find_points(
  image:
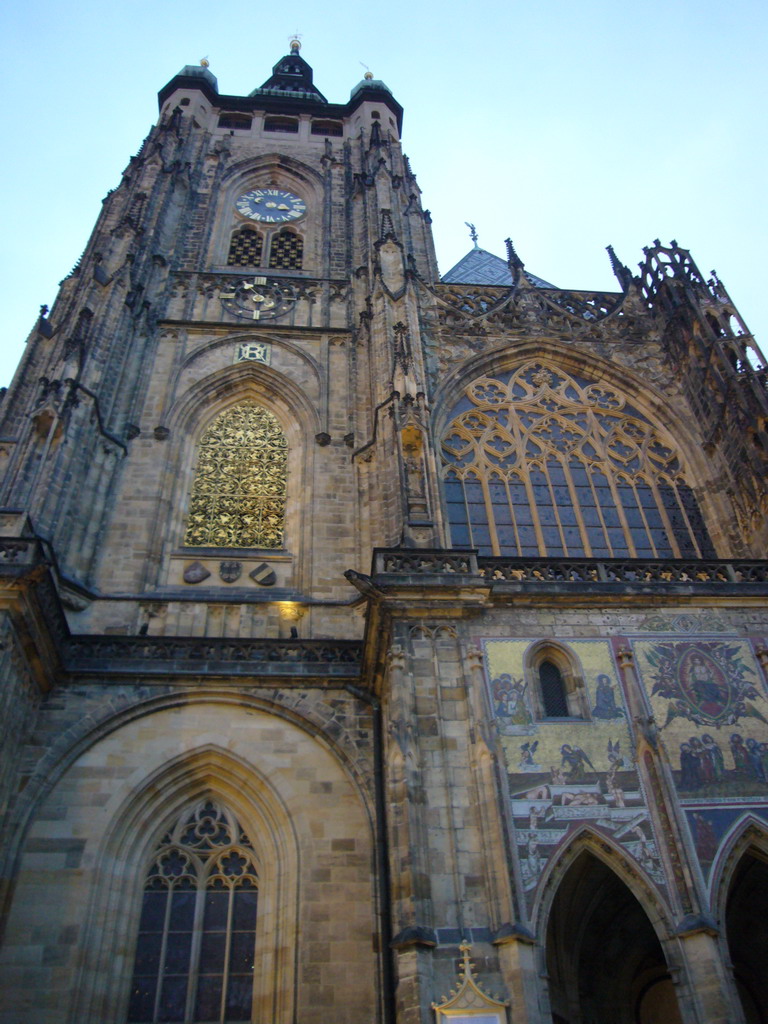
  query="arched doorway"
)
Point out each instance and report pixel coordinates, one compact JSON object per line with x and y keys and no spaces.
{"x":604,"y":959}
{"x":747,"y":933}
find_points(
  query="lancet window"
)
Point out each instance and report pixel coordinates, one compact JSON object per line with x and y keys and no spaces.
{"x":245,"y":248}
{"x":554,"y":697}
{"x":540,"y":463}
{"x":286,"y":251}
{"x":239,"y":491}
{"x":196,"y":946}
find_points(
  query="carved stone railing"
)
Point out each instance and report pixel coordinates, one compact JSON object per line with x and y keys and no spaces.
{"x":587,"y":570}
{"x":428,"y":561}
{"x":398,"y":564}
{"x":299,"y":659}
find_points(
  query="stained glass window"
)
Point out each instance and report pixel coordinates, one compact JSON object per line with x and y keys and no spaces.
{"x":245,"y":248}
{"x":539,"y":463}
{"x":286,"y":251}
{"x":195,"y":951}
{"x":238,"y":497}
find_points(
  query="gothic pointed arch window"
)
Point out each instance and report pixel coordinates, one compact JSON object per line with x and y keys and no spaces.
{"x":245,"y":248}
{"x":286,"y":251}
{"x":239,"y":491}
{"x":196,"y":945}
{"x":537,"y":462}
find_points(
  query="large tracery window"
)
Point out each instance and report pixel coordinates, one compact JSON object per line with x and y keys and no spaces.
{"x":539,"y":463}
{"x":238,"y":497}
{"x":195,"y":951}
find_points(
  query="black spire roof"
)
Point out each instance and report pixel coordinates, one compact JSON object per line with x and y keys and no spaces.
{"x":291,"y":76}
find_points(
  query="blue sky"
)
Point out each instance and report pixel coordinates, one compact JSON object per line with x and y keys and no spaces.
{"x":565,"y":124}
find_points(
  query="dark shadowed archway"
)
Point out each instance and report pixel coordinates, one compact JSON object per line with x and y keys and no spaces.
{"x":746,"y":924}
{"x":604,"y":959}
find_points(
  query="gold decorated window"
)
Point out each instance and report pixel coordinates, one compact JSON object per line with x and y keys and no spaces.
{"x":286,"y":251}
{"x":539,"y":463}
{"x":238,"y":497}
{"x":245,"y":248}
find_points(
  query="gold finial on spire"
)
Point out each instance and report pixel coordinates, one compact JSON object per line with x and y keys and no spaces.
{"x":368,"y":76}
{"x":204,"y":62}
{"x":295,"y":42}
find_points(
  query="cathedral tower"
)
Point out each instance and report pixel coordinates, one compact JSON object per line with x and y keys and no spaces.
{"x":356,"y":621}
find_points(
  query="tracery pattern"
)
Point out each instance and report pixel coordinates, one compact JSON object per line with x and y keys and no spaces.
{"x":238,"y":497}
{"x":195,"y":951}
{"x":537,"y":462}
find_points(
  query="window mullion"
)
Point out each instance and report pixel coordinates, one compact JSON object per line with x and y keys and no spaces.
{"x":684,"y":512}
{"x":194,"y":954}
{"x":526,"y":476}
{"x":512,"y":516}
{"x":646,"y":524}
{"x":621,"y":512}
{"x":653,"y":483}
{"x":495,"y":547}
{"x":598,"y":505}
{"x":227,"y":950}
{"x":555,"y":507}
{"x":163,"y":951}
{"x":576,"y":506}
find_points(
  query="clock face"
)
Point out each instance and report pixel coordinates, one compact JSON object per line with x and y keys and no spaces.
{"x":271,"y":205}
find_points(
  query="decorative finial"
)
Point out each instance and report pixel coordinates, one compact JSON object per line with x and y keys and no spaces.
{"x":368,"y":76}
{"x":204,"y":62}
{"x":472,"y":233}
{"x":295,"y":43}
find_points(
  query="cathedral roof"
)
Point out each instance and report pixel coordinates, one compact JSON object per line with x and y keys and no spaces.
{"x":291,"y":76}
{"x":369,"y":82}
{"x":481,"y":267}
{"x":289,"y":89}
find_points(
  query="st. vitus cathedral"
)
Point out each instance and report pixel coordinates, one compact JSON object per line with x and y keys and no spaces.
{"x":375,"y":645}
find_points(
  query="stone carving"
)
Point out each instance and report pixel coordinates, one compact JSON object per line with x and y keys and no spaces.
{"x":264,"y":575}
{"x":230,"y":571}
{"x":196,"y":573}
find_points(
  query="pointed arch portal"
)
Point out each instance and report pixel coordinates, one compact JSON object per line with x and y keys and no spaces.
{"x":604,"y":960}
{"x":746,"y":925}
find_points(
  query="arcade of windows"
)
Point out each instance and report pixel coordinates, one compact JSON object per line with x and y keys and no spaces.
{"x":196,"y":945}
{"x":239,"y":490}
{"x":540,"y":463}
{"x":246,"y":247}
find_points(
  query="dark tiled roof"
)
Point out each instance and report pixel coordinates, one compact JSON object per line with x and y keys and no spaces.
{"x":482,"y":267}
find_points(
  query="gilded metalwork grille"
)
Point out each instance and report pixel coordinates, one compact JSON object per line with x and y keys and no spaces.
{"x":539,"y":463}
{"x":195,"y":951}
{"x":245,"y":248}
{"x":238,"y":497}
{"x":286,"y":251}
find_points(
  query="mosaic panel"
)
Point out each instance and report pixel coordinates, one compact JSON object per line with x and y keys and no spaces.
{"x":708,"y":699}
{"x":566,"y":773}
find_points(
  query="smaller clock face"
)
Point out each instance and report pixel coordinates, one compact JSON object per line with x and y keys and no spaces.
{"x":271,"y":205}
